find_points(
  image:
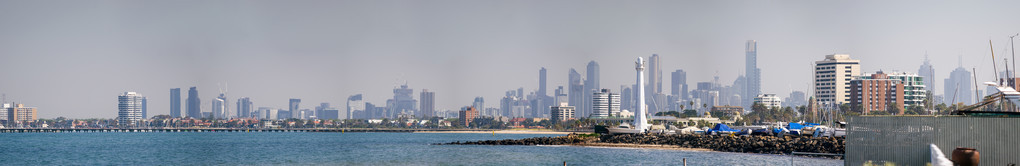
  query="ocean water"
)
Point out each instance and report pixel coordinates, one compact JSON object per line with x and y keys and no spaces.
{"x":340,"y":149}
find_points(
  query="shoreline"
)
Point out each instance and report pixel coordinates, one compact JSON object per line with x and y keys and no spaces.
{"x":640,"y":146}
{"x":506,"y":132}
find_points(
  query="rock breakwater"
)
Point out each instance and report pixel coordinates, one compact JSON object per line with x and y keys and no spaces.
{"x":724,"y":143}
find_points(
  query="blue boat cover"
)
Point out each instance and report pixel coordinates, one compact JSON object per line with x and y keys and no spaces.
{"x":723,"y":127}
{"x":794,"y":126}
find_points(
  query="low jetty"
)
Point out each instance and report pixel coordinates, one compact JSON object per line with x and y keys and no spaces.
{"x":723,"y":143}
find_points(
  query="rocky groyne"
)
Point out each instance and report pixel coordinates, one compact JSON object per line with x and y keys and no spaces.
{"x":723,"y":143}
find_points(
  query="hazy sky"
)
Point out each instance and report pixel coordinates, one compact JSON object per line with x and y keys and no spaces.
{"x":72,"y":58}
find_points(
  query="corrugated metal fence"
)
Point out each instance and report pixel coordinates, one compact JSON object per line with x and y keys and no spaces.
{"x":903,"y":140}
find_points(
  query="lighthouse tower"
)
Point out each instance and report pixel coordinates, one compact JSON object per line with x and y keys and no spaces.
{"x":640,"y":121}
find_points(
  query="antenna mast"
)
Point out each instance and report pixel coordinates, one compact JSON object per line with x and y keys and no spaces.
{"x":994,"y":69}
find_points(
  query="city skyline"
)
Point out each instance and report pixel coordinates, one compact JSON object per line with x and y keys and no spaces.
{"x":328,"y":51}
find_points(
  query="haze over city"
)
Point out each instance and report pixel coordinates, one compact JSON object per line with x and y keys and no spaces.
{"x":73,"y":58}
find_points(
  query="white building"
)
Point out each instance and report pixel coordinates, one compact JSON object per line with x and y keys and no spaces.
{"x":768,"y":100}
{"x":561,"y":112}
{"x":605,"y":104}
{"x":832,"y":78}
{"x":129,"y":106}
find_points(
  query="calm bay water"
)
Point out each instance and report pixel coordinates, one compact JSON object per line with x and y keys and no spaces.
{"x":339,"y":149}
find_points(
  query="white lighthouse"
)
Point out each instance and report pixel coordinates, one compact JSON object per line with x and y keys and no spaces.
{"x":640,"y":121}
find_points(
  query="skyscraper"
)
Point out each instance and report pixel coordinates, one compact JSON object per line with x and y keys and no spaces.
{"x":752,"y":87}
{"x":927,"y":71}
{"x":294,"y":109}
{"x":145,"y":108}
{"x":219,"y":107}
{"x":194,"y":104}
{"x":175,"y":102}
{"x":678,"y":86}
{"x":591,"y":85}
{"x":832,"y":78}
{"x":403,"y":102}
{"x":958,"y":87}
{"x":654,"y":74}
{"x":354,"y":104}
{"x":575,"y":93}
{"x":541,"y":83}
{"x":428,"y":104}
{"x":244,"y":108}
{"x":129,"y":109}
{"x":654,"y":88}
{"x":543,"y":101}
{"x":479,"y":104}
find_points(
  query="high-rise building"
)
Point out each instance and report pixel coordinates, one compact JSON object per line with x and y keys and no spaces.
{"x":244,"y":108}
{"x":914,"y":92}
{"x":402,"y":103}
{"x":958,"y":87}
{"x":145,"y":108}
{"x":467,"y":115}
{"x":428,"y":104}
{"x":654,"y":88}
{"x":354,"y":104}
{"x":129,"y":109}
{"x":542,"y":101}
{"x":876,"y":93}
{"x":562,"y":112}
{"x":605,"y":104}
{"x":294,"y":108}
{"x":678,"y":86}
{"x":752,"y":86}
{"x":626,"y":98}
{"x":561,"y":96}
{"x":795,"y":99}
{"x":194,"y":104}
{"x":17,"y":113}
{"x":654,"y":74}
{"x":541,"y":83}
{"x":479,"y":105}
{"x":927,"y":71}
{"x":591,"y":85}
{"x":219,"y":107}
{"x":575,"y":92}
{"x":175,"y":102}
{"x":768,"y":100}
{"x":832,"y":78}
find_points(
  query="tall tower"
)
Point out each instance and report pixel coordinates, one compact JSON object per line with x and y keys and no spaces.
{"x":294,"y":109}
{"x":129,"y":109}
{"x":145,"y":108}
{"x":479,"y":104}
{"x":752,"y":87}
{"x":958,"y":86}
{"x":194,"y":104}
{"x":591,"y":86}
{"x":654,"y":84}
{"x":575,"y":94}
{"x":428,"y":104}
{"x":541,"y":83}
{"x":219,"y":107}
{"x":640,"y":122}
{"x":926,"y":71}
{"x":354,"y":104}
{"x":175,"y":102}
{"x":244,"y":108}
